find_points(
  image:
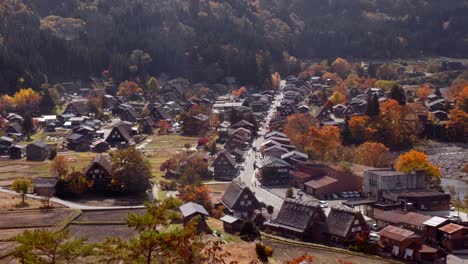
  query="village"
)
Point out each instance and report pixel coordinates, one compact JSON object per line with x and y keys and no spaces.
{"x":237,"y":143}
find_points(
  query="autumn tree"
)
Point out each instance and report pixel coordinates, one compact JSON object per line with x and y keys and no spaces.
{"x":323,"y":142}
{"x":196,"y":194}
{"x":275,"y":80}
{"x":361,"y":128}
{"x":76,"y":183}
{"x":47,"y":104}
{"x":28,"y":126}
{"x":130,"y":170}
{"x":397,"y":93}
{"x":341,"y":67}
{"x":164,"y":127}
{"x":21,"y":186}
{"x":50,"y":247}
{"x":337,"y":98}
{"x":194,"y":168}
{"x":298,"y":127}
{"x":128,"y":89}
{"x":457,"y":125}
{"x":415,"y":160}
{"x":59,"y":166}
{"x":423,"y":92}
{"x":462,"y":99}
{"x":385,"y":72}
{"x":95,"y":105}
{"x":305,"y":259}
{"x":26,"y":100}
{"x":152,"y":86}
{"x":155,"y":241}
{"x":397,"y":125}
{"x":371,"y":154}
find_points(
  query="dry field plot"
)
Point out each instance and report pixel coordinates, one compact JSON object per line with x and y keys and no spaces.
{"x":107,"y":216}
{"x":33,"y":218}
{"x":283,"y":252}
{"x":99,"y":233}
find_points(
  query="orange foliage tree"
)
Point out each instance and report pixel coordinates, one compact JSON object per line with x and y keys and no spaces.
{"x":424,"y":91}
{"x":415,"y":160}
{"x":371,"y":154}
{"x":196,"y":194}
{"x":298,"y":127}
{"x":128,"y":89}
{"x":457,"y":125}
{"x":462,"y":99}
{"x":341,"y":67}
{"x":397,"y":124}
{"x":323,"y":142}
{"x":332,"y":76}
{"x":163,"y":126}
{"x":361,"y":128}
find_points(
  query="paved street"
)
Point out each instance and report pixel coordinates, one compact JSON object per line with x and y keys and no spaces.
{"x":247,"y":175}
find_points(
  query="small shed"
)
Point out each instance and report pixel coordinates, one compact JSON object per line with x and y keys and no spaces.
{"x":191,"y":210}
{"x":16,"y":152}
{"x":45,"y":186}
{"x":231,"y":224}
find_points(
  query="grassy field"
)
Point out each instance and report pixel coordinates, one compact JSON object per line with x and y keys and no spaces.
{"x":217,"y":225}
{"x":159,"y":148}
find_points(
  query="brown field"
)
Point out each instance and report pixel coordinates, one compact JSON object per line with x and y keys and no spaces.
{"x":283,"y":252}
{"x":163,"y":147}
{"x":107,"y":216}
{"x":10,"y":202}
{"x":33,"y":218}
{"x":99,"y":233}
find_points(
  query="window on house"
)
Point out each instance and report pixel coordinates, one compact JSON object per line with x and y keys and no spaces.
{"x":246,"y":196}
{"x":249,"y":202}
{"x":356,"y":222}
{"x":242,"y":203}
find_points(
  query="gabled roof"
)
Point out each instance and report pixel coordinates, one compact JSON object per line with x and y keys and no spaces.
{"x":190,"y":208}
{"x":294,"y":154}
{"x":451,"y":228}
{"x":229,"y":219}
{"x":396,"y":233}
{"x":435,"y":221}
{"x":17,"y":127}
{"x":340,"y":220}
{"x":81,"y":107}
{"x":297,"y":215}
{"x":45,"y":182}
{"x":8,"y":139}
{"x":232,"y":194}
{"x":271,"y":162}
{"x":103,"y":160}
{"x":39,"y":144}
{"x":242,"y":123}
{"x":228,"y":156}
{"x":278,"y":147}
{"x":321,"y":182}
{"x":159,"y":109}
{"x":74,"y":137}
{"x":275,"y":134}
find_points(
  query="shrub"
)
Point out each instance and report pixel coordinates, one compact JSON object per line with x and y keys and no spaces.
{"x":249,"y":231}
{"x":263,"y":252}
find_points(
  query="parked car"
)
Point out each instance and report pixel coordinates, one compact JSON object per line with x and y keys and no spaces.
{"x":375,"y":227}
{"x":335,"y":196}
{"x":374,"y":237}
{"x":452,"y":208}
{"x":345,"y":195}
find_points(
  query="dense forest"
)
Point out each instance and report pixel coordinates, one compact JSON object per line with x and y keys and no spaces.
{"x":206,"y":40}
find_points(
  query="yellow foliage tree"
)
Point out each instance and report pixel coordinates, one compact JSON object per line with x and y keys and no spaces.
{"x":462,"y":99}
{"x":415,"y":160}
{"x":337,"y":98}
{"x":341,"y":67}
{"x":361,"y":129}
{"x":297,"y":128}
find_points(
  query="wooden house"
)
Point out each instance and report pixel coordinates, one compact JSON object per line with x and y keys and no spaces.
{"x":454,"y":237}
{"x":431,"y":230}
{"x":16,"y":152}
{"x":273,"y":171}
{"x":299,"y":219}
{"x":77,"y":108}
{"x":193,"y":210}
{"x":45,"y":186}
{"x":158,"y":113}
{"x":14,"y":130}
{"x":231,"y":224}
{"x":344,"y":224}
{"x":147,"y":125}
{"x":224,"y":167}
{"x":99,"y":171}
{"x":129,"y":115}
{"x":239,"y":201}
{"x":100,"y":146}
{"x":401,"y":243}
{"x":37,"y":151}
{"x":78,"y":142}
{"x":120,"y":135}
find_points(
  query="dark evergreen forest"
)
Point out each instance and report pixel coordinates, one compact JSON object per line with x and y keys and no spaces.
{"x":206,"y":40}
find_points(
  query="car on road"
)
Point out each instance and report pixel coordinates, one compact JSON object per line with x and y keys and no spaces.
{"x":323,"y":204}
{"x":452,"y":208}
{"x":374,"y":237}
{"x":240,"y":167}
{"x":335,"y":196}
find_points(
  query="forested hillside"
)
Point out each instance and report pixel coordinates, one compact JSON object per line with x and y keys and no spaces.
{"x":206,"y":40}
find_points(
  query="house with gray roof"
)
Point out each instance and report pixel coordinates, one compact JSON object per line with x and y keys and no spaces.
{"x":224,"y":167}
{"x":273,"y":171}
{"x":344,"y":223}
{"x":239,"y":201}
{"x":299,"y":219}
